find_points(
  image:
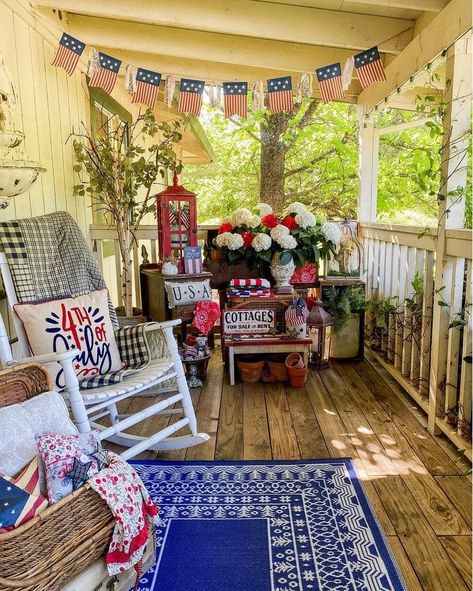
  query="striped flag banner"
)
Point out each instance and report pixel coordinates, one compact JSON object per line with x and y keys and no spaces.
{"x":235,"y":98}
{"x":280,"y":94}
{"x":147,"y":86}
{"x":369,"y":67}
{"x":330,"y":82}
{"x":105,"y":75}
{"x":68,"y":53}
{"x":190,"y":96}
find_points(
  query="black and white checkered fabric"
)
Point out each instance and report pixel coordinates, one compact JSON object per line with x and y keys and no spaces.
{"x":49,"y":258}
{"x":134,"y":353}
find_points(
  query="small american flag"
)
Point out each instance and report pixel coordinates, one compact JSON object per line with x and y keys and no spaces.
{"x":235,"y":98}
{"x":106,"y":75}
{"x":147,"y":86}
{"x":369,"y":66}
{"x":330,"y":82}
{"x":68,"y":53}
{"x":190,"y":96}
{"x":280,"y":94}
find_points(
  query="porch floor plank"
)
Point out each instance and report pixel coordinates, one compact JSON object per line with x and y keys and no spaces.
{"x":418,"y":491}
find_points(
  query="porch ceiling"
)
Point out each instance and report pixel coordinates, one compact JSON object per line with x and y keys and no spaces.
{"x":258,"y":39}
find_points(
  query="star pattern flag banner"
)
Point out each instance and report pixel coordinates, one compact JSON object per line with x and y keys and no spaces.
{"x":190,"y":96}
{"x":330,"y":82}
{"x":68,"y":53}
{"x":280,"y":94}
{"x":105,"y":75}
{"x":235,"y":98}
{"x":147,"y":86}
{"x":369,"y":67}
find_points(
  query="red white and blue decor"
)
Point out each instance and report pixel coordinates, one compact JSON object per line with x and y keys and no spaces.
{"x":265,"y":526}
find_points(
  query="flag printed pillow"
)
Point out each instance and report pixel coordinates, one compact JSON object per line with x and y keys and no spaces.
{"x":81,"y":324}
{"x":20,"y":497}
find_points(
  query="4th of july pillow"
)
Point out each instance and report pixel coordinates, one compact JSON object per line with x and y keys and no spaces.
{"x":82,"y":324}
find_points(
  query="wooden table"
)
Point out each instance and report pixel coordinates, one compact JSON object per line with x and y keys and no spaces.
{"x":270,"y":345}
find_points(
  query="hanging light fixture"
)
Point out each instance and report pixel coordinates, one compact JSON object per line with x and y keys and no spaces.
{"x":320,"y":331}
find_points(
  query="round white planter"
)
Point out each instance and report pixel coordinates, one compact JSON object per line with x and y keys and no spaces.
{"x":345,"y":342}
{"x":16,"y":177}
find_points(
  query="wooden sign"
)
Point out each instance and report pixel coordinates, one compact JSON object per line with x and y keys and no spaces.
{"x":252,"y":321}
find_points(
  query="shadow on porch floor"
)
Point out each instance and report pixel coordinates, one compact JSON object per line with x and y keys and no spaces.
{"x":415,"y":481}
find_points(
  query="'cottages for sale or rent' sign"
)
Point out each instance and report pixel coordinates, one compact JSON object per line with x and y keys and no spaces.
{"x":248,"y":321}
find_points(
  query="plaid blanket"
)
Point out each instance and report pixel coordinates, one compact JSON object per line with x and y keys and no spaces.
{"x":50,"y":259}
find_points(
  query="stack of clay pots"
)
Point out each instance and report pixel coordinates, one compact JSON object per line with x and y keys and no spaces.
{"x":296,"y":370}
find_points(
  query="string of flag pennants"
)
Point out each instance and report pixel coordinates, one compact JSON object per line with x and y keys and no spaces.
{"x":144,"y":84}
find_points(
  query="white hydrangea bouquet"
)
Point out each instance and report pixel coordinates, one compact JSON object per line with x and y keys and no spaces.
{"x":293,"y":237}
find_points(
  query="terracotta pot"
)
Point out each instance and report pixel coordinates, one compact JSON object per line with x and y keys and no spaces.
{"x":297,"y":376}
{"x":278,"y":370}
{"x":268,"y":378}
{"x":294,"y":360}
{"x":250,"y":371}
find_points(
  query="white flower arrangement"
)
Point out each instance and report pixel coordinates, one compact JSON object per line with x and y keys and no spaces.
{"x":254,"y":222}
{"x":332,"y":232}
{"x":305,"y":219}
{"x":264,"y":209}
{"x":288,"y":242}
{"x":261,"y":242}
{"x":242,"y":217}
{"x":229,"y":240}
{"x":296,"y":207}
{"x":278,"y":232}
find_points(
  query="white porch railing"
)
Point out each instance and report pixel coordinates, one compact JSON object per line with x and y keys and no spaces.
{"x":400,"y":331}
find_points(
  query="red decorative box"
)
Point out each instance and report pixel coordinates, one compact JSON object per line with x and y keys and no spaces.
{"x":306,"y":274}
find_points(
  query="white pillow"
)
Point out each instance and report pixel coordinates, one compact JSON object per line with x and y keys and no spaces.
{"x":19,"y":423}
{"x":81,"y":323}
{"x":190,"y":292}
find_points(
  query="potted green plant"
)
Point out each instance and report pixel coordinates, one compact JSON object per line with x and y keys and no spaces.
{"x":344,"y":304}
{"x":117,"y":168}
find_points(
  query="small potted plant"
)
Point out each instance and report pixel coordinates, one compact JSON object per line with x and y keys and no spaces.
{"x":118,"y":168}
{"x":344,"y":304}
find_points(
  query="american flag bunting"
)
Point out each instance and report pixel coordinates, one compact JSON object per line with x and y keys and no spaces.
{"x":106,"y":75}
{"x":147,"y":86}
{"x":190,"y":96}
{"x":235,"y":98}
{"x":280,"y":94}
{"x":68,"y":53}
{"x":330,"y":82}
{"x":369,"y":67}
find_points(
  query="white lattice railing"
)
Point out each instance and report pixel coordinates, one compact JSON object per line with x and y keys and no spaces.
{"x":394,"y":258}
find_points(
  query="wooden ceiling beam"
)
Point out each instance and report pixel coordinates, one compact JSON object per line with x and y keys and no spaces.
{"x":250,"y":18}
{"x":205,"y":70}
{"x":447,"y":26}
{"x":212,"y":47}
{"x":423,"y":5}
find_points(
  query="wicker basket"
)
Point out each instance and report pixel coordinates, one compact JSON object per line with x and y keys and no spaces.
{"x":53,"y":547}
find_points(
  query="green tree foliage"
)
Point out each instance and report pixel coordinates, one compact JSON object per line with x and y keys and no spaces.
{"x":321,"y":165}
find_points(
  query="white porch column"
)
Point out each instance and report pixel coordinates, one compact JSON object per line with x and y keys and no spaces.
{"x":451,"y":209}
{"x":367,"y":166}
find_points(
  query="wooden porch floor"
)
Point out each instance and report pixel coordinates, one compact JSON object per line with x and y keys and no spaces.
{"x":418,"y":490}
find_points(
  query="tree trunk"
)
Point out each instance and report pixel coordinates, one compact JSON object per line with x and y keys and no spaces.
{"x":273,"y":154}
{"x":124,"y":241}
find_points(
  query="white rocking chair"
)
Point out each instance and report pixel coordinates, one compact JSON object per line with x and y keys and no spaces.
{"x":89,"y":405}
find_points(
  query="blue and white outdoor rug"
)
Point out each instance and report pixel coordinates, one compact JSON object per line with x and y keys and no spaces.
{"x":265,"y":526}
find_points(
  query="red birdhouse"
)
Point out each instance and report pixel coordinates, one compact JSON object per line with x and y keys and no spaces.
{"x":177,"y":220}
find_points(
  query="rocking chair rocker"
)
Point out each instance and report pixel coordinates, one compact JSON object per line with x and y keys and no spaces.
{"x":56,"y":237}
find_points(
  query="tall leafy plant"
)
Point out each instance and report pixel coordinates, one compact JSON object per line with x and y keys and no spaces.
{"x":118,"y":168}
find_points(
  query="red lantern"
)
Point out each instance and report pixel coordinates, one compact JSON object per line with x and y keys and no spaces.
{"x":177,"y":220}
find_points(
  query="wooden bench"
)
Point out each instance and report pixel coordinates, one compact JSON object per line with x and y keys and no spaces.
{"x":257,"y":345}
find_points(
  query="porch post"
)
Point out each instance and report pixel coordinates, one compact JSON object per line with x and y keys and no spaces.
{"x":367,"y":166}
{"x":451,"y":212}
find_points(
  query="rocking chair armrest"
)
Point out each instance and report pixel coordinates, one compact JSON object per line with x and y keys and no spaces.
{"x":161,"y":325}
{"x":62,"y":358}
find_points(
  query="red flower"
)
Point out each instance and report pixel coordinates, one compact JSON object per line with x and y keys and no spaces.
{"x":270,"y":220}
{"x":227,"y":227}
{"x":290,"y":222}
{"x":247,"y":239}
